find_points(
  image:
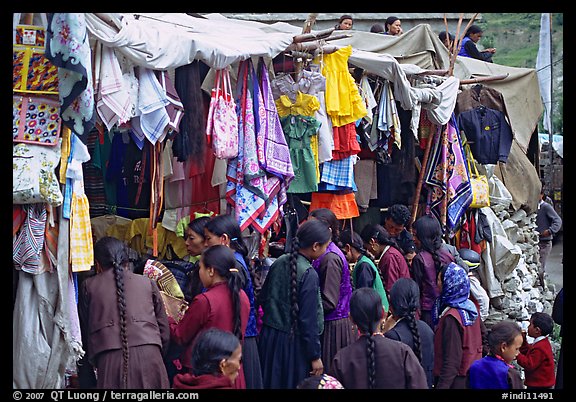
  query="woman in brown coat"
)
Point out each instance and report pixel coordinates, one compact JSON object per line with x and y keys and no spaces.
{"x":124,"y":322}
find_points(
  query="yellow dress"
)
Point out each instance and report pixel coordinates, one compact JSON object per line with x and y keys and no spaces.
{"x":344,"y":104}
{"x":305,"y":105}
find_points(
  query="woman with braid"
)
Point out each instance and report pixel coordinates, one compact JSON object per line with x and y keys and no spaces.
{"x":402,"y":324}
{"x":124,"y":320}
{"x":335,"y":290}
{"x":428,"y":262}
{"x":365,"y":273}
{"x":225,"y":230}
{"x":293,"y":320}
{"x":223,"y":305}
{"x":374,"y":361}
{"x":391,"y":262}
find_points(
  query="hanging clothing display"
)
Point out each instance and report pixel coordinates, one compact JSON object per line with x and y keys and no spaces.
{"x":488,"y":133}
{"x":343,"y":101}
{"x":448,"y":177}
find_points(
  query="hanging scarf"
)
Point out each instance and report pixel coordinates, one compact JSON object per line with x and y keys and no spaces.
{"x":448,"y":176}
{"x":455,"y":293}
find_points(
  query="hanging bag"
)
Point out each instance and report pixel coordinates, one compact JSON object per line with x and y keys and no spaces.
{"x":222,"y":126}
{"x":35,"y":120}
{"x":478,"y":183}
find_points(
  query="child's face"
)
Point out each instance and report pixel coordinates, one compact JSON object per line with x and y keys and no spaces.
{"x":533,"y":331}
{"x":510,"y":351}
{"x":206,"y":274}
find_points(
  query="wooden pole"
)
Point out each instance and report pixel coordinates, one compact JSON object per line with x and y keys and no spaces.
{"x":458,"y":43}
{"x":484,"y":79}
{"x":416,"y":201}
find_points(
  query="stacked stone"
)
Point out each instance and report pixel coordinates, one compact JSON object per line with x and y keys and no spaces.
{"x":523,"y":294}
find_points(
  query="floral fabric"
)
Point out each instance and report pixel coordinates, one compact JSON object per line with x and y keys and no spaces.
{"x":455,"y":293}
{"x":33,"y":174}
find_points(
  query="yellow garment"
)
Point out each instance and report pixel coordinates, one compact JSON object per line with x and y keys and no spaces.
{"x":305,"y":105}
{"x":81,"y":248}
{"x":140,"y":239}
{"x":314,"y":146}
{"x":344,"y":104}
{"x":64,"y":153}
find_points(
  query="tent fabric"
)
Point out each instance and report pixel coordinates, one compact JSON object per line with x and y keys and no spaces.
{"x":168,"y":40}
{"x":164,"y":41}
{"x":421,"y":46}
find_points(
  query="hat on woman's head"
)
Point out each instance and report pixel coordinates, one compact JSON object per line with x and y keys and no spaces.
{"x":470,"y":257}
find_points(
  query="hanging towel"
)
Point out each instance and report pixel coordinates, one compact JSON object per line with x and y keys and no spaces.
{"x":113,"y":100}
{"x":152,"y":102}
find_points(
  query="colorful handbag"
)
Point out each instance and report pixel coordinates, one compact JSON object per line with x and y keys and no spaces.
{"x":32,"y":72}
{"x":35,"y":120}
{"x":478,"y":183}
{"x":222,"y":125}
{"x":31,"y":35}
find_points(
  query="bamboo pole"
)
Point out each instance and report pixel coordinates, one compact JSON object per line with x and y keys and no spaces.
{"x":484,"y":79}
{"x":416,"y":201}
{"x":458,"y":43}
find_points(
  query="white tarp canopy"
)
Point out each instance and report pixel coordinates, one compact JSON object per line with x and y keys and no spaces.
{"x":164,"y":41}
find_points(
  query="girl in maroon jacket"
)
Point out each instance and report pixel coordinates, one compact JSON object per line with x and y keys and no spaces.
{"x":223,"y":305}
{"x":216,"y":359}
{"x":537,"y":358}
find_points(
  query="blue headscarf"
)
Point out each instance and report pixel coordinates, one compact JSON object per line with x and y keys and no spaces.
{"x":455,"y":293}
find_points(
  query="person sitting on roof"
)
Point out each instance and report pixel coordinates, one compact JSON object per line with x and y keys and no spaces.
{"x":468,"y":46}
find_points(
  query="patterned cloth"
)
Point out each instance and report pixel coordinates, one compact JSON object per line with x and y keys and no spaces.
{"x":339,"y":172}
{"x":455,"y":293}
{"x":68,"y":47}
{"x":112,"y":99}
{"x":28,"y":244}
{"x":152,"y":102}
{"x":329,"y":382}
{"x":448,"y":176}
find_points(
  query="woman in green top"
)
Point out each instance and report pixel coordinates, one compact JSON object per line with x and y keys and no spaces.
{"x":365,"y":274}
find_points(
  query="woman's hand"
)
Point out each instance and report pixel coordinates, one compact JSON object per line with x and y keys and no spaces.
{"x":317,"y":367}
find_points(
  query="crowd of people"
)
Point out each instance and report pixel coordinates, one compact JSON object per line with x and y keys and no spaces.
{"x":385,"y":308}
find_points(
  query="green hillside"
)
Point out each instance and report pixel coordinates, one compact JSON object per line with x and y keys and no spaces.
{"x":516,"y":39}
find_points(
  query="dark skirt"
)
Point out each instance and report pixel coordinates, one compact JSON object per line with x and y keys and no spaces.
{"x":337,"y":334}
{"x":282,"y":359}
{"x":146,"y":369}
{"x":251,"y":363}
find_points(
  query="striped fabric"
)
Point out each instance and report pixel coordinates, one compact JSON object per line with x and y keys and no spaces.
{"x":81,"y":250}
{"x":28,"y":244}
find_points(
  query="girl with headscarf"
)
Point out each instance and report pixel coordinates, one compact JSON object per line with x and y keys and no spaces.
{"x":457,"y":338}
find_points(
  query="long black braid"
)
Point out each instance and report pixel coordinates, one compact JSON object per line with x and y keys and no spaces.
{"x":110,"y":252}
{"x":429,"y":232}
{"x":405,"y":301}
{"x":119,"y":275}
{"x":310,"y":232}
{"x":366,"y":311}
{"x":294,"y":308}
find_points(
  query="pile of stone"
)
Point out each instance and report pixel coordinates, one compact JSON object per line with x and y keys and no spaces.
{"x":522,"y":293}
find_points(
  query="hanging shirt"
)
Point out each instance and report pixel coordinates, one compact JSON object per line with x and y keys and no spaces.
{"x":489,"y":134}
